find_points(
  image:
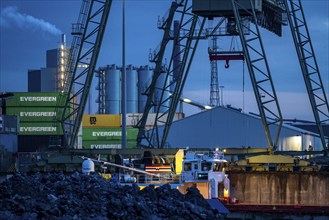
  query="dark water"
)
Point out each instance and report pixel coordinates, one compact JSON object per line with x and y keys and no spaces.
{"x":260,"y":216}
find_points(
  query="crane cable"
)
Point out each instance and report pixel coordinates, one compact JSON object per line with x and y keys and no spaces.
{"x":232,"y":48}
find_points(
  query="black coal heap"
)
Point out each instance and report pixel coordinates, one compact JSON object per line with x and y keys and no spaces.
{"x":78,"y":196}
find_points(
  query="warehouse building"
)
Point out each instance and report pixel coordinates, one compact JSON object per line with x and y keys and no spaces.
{"x":230,"y":128}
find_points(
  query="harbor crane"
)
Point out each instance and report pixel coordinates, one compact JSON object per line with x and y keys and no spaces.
{"x":239,"y":16}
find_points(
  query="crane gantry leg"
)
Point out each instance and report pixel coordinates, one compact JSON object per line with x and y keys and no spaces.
{"x":165,"y":107}
{"x":158,"y":59}
{"x":188,"y":42}
{"x":309,"y":66}
{"x":69,"y":63}
{"x":91,"y":27}
{"x":259,"y":72}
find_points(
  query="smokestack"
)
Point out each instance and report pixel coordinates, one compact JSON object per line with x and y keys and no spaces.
{"x":64,"y":40}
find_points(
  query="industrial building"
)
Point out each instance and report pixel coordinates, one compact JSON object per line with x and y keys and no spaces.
{"x":227,"y":127}
{"x":51,"y":78}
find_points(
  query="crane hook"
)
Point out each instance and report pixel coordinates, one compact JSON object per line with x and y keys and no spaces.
{"x":227,"y":65}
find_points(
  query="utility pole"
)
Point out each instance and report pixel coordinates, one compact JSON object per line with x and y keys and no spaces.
{"x":221,"y":95}
{"x":123,"y":80}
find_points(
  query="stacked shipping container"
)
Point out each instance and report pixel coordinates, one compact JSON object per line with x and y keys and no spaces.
{"x":37,"y":114}
{"x":104,"y":132}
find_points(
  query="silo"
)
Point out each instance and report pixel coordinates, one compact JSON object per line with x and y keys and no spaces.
{"x":131,"y":88}
{"x":112,"y":92}
{"x":144,"y":80}
{"x":157,"y":96}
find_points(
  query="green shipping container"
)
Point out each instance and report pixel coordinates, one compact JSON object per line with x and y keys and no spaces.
{"x":107,"y":144}
{"x":40,"y":128}
{"x":34,"y":99}
{"x":107,"y":134}
{"x":36,"y":114}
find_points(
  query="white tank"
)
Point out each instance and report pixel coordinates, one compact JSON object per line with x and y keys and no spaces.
{"x":131,"y":89}
{"x":144,"y":80}
{"x":88,"y":166}
{"x":112,"y":90}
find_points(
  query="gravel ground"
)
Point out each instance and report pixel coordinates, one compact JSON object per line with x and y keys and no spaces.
{"x":78,"y":196}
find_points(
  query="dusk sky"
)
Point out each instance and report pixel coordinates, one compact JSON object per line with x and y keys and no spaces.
{"x":30,"y":27}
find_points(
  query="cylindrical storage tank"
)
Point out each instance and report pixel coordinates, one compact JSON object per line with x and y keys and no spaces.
{"x":131,"y":88}
{"x":145,"y":74}
{"x":157,"y":96}
{"x":112,"y":92}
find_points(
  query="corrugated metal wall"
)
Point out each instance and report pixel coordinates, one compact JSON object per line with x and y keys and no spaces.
{"x":280,"y":187}
{"x":222,"y":127}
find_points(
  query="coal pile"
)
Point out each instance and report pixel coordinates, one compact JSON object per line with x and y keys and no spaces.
{"x":77,"y":196}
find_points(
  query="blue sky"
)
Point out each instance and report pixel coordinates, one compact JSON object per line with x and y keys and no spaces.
{"x":24,"y":43}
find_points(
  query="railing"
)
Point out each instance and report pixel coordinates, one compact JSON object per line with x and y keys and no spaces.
{"x":147,"y":179}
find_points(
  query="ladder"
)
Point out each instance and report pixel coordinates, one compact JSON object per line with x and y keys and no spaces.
{"x":69,"y":65}
{"x":91,"y":28}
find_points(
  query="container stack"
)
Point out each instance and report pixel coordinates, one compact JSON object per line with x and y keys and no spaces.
{"x":38,"y":114}
{"x":8,"y":133}
{"x":103,"y":131}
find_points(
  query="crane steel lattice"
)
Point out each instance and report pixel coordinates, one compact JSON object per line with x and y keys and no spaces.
{"x":91,"y":27}
{"x":153,"y":137}
{"x":101,"y":87}
{"x":70,"y":62}
{"x":214,"y":89}
{"x":259,"y":72}
{"x":185,"y":40}
{"x":188,"y":45}
{"x":157,"y":58}
{"x":309,"y":66}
